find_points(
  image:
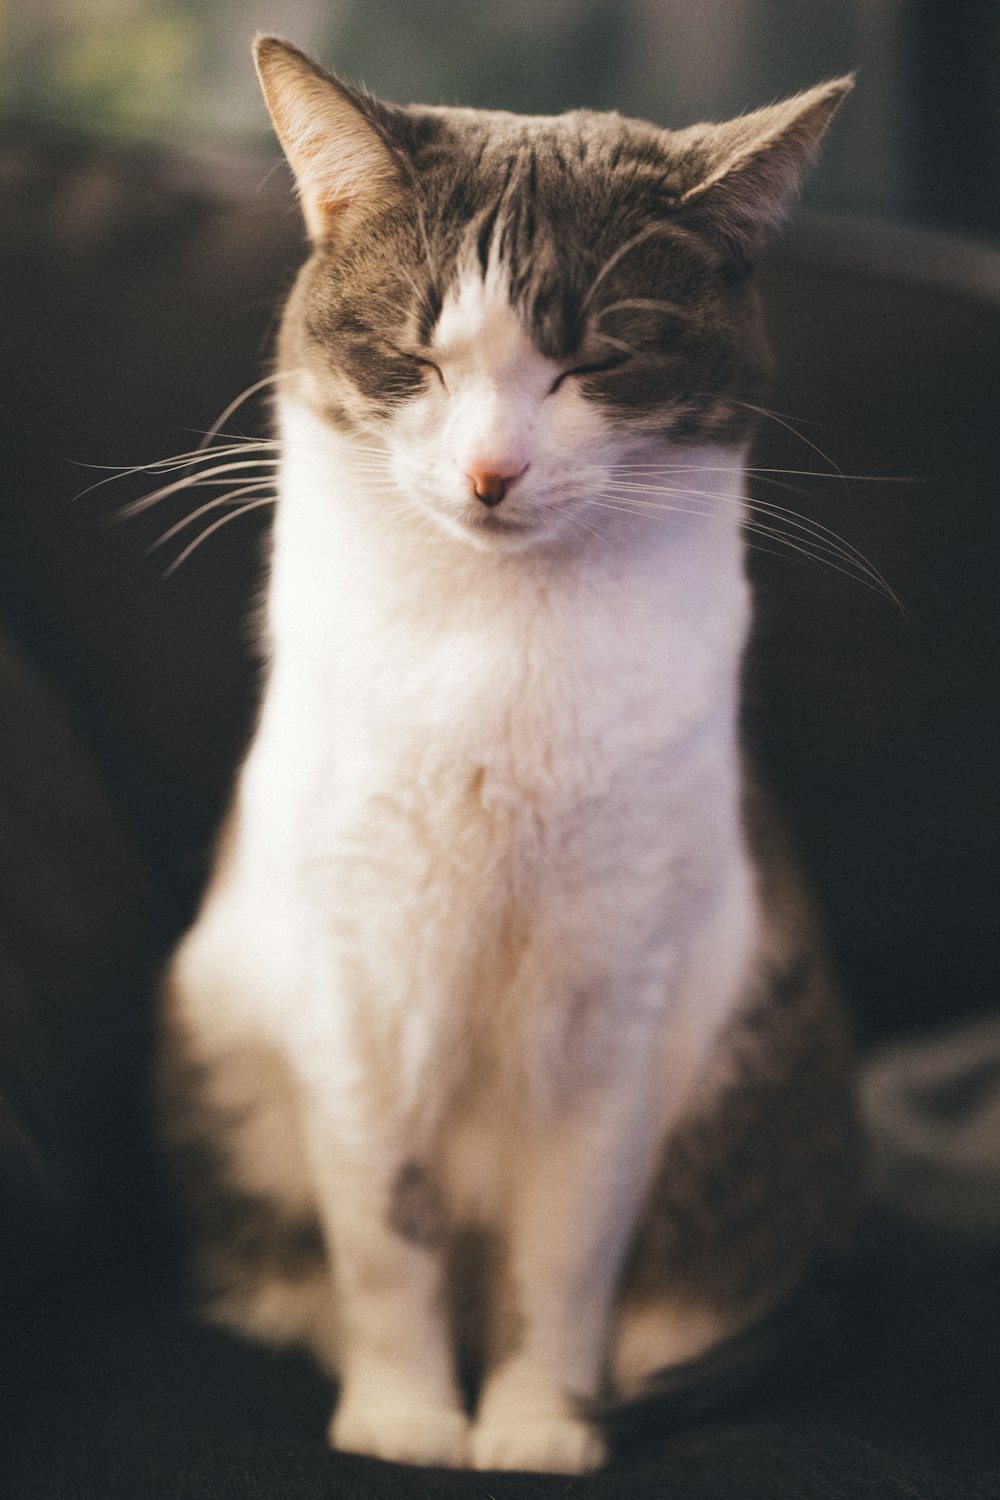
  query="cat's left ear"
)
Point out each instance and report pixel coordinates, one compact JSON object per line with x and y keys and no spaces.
{"x":740,"y":177}
{"x":335,"y":138}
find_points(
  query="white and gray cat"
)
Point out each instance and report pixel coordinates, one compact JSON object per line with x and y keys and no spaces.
{"x":503,"y":1033}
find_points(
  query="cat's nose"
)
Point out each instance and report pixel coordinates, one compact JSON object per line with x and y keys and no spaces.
{"x":490,"y":486}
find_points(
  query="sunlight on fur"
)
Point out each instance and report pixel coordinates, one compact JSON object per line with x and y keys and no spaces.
{"x":505,"y":1009}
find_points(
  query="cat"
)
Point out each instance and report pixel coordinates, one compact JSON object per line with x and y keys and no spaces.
{"x":503,"y":1038}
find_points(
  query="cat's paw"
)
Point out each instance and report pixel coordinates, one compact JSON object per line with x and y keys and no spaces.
{"x":405,"y":1434}
{"x":552,"y":1444}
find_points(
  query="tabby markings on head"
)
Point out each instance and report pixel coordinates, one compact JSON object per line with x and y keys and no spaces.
{"x":622,"y":248}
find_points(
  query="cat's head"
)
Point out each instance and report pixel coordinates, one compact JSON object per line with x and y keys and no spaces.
{"x":511,"y":308}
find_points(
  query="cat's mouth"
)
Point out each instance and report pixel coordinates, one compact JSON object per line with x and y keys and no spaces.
{"x":499,"y":531}
{"x":497,"y":524}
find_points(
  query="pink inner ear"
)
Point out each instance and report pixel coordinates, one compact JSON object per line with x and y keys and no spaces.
{"x":338,"y":158}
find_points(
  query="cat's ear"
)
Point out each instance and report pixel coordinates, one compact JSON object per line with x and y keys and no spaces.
{"x":743,"y":175}
{"x":334,"y":138}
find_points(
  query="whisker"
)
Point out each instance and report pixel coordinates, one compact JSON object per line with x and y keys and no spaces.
{"x":222,"y":521}
{"x":807,"y":524}
{"x":243,"y":397}
{"x":797,"y":535}
{"x":762,"y":411}
{"x":756,"y":469}
{"x":828,"y":541}
{"x":779,"y":484}
{"x":821,"y":546}
{"x":234,"y":443}
{"x":793,"y":417}
{"x":165,"y":465}
{"x":207,"y":477}
{"x":177,"y":460}
{"x":233,"y":497}
{"x":822,"y":535}
{"x":636,"y":487}
{"x":872,"y":581}
{"x":608,"y":338}
{"x":639,"y":508}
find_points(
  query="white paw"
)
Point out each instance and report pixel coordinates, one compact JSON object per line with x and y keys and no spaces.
{"x":546,"y":1445}
{"x":405,"y":1434}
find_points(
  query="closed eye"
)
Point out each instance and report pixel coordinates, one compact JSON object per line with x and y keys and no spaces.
{"x":598,"y":368}
{"x":420,"y":360}
{"x":426,"y":364}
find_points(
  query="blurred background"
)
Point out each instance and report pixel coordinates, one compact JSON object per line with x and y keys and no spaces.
{"x":919,"y":144}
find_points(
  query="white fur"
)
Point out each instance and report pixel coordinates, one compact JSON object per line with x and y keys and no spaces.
{"x":487,"y":894}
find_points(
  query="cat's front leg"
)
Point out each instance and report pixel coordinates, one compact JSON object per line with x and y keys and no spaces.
{"x":579,"y":1181}
{"x":383,"y":1221}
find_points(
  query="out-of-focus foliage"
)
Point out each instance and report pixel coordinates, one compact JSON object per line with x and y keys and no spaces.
{"x":173,"y":70}
{"x":180,"y":68}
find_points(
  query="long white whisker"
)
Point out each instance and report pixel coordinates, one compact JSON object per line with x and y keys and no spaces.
{"x":233,"y":497}
{"x":867,"y":580}
{"x":740,"y":501}
{"x":207,"y":477}
{"x":222,"y":521}
{"x":638,"y":508}
{"x":178,"y":460}
{"x":762,"y":411}
{"x":818,"y":548}
{"x":165,"y":465}
{"x":756,"y":469}
{"x":642,"y":304}
{"x":239,"y":400}
{"x":823,"y":535}
{"x":423,"y":302}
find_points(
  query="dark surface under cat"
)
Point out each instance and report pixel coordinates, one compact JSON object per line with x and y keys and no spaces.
{"x":129,"y":1400}
{"x":137,"y":299}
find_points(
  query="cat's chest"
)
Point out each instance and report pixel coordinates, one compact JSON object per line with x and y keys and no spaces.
{"x":485,"y":722}
{"x":478,"y":790}
{"x":506,"y":726}
{"x":456,"y":766}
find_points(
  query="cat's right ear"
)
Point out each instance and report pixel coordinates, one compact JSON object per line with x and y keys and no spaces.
{"x":331,"y":135}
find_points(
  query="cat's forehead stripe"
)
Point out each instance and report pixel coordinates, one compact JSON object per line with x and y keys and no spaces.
{"x":477,"y":308}
{"x":480,"y":327}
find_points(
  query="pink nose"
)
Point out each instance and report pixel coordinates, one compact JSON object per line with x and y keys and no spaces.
{"x":489,"y":486}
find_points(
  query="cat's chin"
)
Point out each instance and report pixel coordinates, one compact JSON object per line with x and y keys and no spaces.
{"x":492,"y":532}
